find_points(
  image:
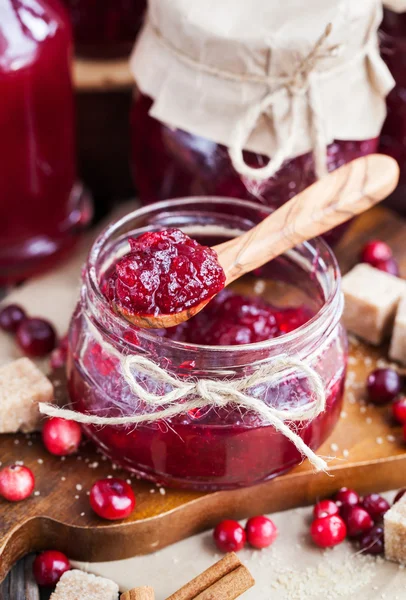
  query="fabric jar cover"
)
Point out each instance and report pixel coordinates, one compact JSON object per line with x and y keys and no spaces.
{"x":276,"y":78}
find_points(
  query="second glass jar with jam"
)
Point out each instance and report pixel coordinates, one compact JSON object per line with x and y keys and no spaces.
{"x":292,"y":306}
{"x":171,"y":163}
{"x":251,"y":73}
{"x":42,"y":207}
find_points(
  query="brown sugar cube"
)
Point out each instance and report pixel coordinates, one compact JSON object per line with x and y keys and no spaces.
{"x":78,"y":585}
{"x":395,"y":532}
{"x":22,"y":387}
{"x":371,"y":300}
{"x":397,"y":349}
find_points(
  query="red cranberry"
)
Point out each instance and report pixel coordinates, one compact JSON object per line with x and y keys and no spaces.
{"x":261,"y":532}
{"x":328,"y":531}
{"x":60,"y":354}
{"x":61,"y":437}
{"x":376,"y":506}
{"x":229,"y":536}
{"x":325,"y":508}
{"x":358,"y":521}
{"x":58,"y":359}
{"x":375,"y":251}
{"x":16,"y":483}
{"x":36,"y":337}
{"x":388,"y":266}
{"x":383,"y":385}
{"x":131,"y":337}
{"x":371,"y":542}
{"x":49,"y":566}
{"x":10,"y":317}
{"x":399,"y":495}
{"x":346,"y":497}
{"x":112,"y":499}
{"x":399,"y":410}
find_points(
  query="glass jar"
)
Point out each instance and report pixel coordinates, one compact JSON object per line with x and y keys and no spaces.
{"x":393,"y":137}
{"x":42,"y":209}
{"x":105,"y":28}
{"x":208,"y":448}
{"x":254,"y":103}
{"x":170,"y":163}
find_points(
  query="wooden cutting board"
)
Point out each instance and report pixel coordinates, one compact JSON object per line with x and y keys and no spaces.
{"x":368,"y":449}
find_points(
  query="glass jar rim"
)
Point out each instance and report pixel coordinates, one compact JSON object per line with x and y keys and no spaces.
{"x":332,"y":303}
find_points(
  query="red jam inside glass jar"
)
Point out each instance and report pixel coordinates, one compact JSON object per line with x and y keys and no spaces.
{"x":41,"y":208}
{"x":231,"y":319}
{"x":105,"y":28}
{"x":283,"y":309}
{"x":393,"y":136}
{"x":171,"y":163}
{"x":165,"y":272}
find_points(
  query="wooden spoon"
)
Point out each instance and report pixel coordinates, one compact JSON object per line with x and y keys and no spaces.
{"x":334,"y":199}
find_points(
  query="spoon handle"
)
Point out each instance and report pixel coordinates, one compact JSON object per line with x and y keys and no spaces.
{"x":334,"y":199}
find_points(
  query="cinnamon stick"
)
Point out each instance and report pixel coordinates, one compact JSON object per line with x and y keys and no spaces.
{"x":225,"y":580}
{"x":230,"y":586}
{"x":140,"y":593}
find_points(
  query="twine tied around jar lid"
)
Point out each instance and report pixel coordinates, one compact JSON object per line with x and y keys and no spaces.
{"x":265,"y":77}
{"x":214,"y":393}
{"x":298,"y":84}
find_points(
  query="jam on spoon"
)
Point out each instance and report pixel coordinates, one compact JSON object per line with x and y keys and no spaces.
{"x":165,"y":272}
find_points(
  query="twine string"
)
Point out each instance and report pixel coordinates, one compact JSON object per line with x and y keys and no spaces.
{"x":302,"y":83}
{"x":297,"y":85}
{"x":187,"y":394}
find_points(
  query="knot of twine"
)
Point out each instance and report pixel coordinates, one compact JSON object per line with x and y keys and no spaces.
{"x":188,"y":394}
{"x":297,"y":85}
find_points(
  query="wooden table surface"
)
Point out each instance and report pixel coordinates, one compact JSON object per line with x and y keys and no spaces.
{"x":20,"y":583}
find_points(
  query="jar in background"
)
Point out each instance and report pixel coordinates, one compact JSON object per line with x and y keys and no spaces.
{"x":105,"y":28}
{"x":208,"y":448}
{"x":171,"y":163}
{"x":42,"y":208}
{"x":393,"y":137}
{"x":268,"y":82}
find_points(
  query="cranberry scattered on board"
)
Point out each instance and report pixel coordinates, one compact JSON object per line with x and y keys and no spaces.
{"x":347,"y":515}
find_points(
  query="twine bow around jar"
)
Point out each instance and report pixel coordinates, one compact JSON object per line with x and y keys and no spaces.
{"x":187,"y":394}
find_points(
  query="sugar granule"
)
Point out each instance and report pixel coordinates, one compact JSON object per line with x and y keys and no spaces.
{"x":328,"y":579}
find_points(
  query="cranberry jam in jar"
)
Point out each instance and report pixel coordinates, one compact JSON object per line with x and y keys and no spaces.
{"x":289,"y":308}
{"x":42,"y":207}
{"x":105,"y":28}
